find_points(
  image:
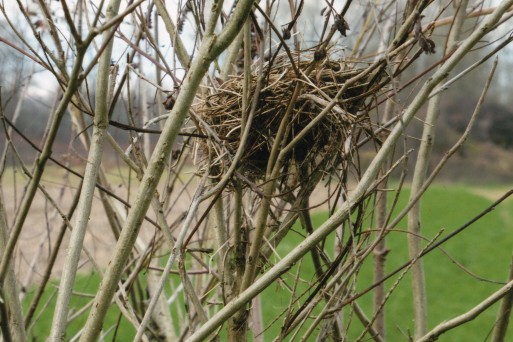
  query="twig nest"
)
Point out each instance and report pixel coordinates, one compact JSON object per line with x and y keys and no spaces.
{"x":326,"y":143}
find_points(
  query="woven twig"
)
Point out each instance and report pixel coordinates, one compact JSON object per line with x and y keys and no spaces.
{"x":222,"y":111}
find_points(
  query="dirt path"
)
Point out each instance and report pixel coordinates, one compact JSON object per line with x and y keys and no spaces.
{"x":41,"y":227}
{"x":491,"y":193}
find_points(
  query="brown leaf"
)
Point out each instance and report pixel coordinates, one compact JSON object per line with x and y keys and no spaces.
{"x":341,"y":25}
{"x":285,"y":32}
{"x":169,"y":102}
{"x":426,"y":44}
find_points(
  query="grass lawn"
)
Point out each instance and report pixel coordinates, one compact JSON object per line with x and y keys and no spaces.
{"x":85,"y":285}
{"x":484,"y":249}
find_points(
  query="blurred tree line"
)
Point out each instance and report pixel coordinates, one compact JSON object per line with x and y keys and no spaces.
{"x":492,"y":130}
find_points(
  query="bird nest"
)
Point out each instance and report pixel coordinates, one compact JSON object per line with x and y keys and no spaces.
{"x":325,"y":145}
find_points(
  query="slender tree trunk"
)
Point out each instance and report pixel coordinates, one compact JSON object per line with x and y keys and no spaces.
{"x":101,"y":121}
{"x":10,"y":291}
{"x":419,"y":176}
{"x":504,"y":313}
{"x":380,"y":255}
{"x":381,"y":251}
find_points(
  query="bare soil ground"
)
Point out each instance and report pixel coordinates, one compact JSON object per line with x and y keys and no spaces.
{"x":41,"y":227}
{"x":491,"y":193}
{"x":44,"y":221}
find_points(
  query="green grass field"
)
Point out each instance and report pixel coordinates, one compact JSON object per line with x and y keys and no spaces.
{"x":484,"y":249}
{"x":85,"y":284}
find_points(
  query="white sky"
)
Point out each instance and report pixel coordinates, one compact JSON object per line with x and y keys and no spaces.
{"x":44,"y":84}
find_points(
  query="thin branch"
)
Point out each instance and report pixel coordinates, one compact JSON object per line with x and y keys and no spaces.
{"x":12,"y":324}
{"x":430,"y":179}
{"x":468,"y":316}
{"x":504,"y":313}
{"x":84,"y":207}
{"x":40,"y":163}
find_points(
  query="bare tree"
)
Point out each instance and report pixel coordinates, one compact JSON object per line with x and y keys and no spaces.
{"x":257,"y":125}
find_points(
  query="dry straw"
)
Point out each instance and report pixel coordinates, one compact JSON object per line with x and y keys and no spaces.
{"x":327,"y":144}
